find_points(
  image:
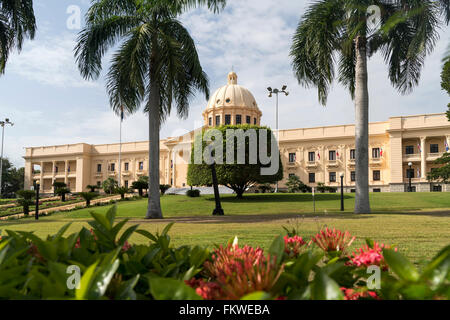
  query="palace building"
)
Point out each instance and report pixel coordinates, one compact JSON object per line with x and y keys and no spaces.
{"x":315,"y":155}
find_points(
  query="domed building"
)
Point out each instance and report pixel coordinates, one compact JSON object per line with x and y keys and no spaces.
{"x":232,"y":104}
{"x":315,"y":155}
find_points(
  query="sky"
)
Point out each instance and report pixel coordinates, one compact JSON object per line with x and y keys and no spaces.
{"x":44,"y":95}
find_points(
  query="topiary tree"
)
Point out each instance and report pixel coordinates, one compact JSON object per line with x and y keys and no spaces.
{"x":92,"y":187}
{"x":110,"y":185}
{"x":140,"y":185}
{"x":235,"y":176}
{"x":294,"y":184}
{"x":163,"y":188}
{"x":88,"y":196}
{"x":62,"y":193}
{"x":26,"y":200}
{"x":122,"y":191}
{"x":58,"y":185}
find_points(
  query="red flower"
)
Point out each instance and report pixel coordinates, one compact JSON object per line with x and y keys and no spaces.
{"x":207,"y":290}
{"x":333,"y":240}
{"x":126,"y":246}
{"x":366,"y":256}
{"x":292,"y":246}
{"x":352,"y":294}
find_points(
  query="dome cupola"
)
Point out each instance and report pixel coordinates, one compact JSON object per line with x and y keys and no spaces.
{"x":232,"y":104}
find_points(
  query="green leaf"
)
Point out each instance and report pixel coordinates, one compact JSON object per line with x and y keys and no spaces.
{"x":370,"y":243}
{"x":167,"y":229}
{"x":171,"y":289}
{"x":147,"y":234}
{"x":86,"y":281}
{"x":277,"y":248}
{"x":111,"y":215}
{"x":257,"y":295}
{"x":102,"y":220}
{"x":325,"y":288}
{"x":126,"y":291}
{"x":3,"y":249}
{"x":400,"y":265}
{"x":62,"y":230}
{"x":126,"y":235}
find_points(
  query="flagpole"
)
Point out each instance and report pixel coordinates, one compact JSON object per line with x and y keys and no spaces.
{"x":120,"y":150}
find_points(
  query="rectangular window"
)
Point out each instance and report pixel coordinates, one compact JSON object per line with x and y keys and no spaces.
{"x":292,"y":157}
{"x":126,"y":184}
{"x":248,"y":120}
{"x":99,"y":168}
{"x":353,"y":176}
{"x":127,"y":166}
{"x":437,"y":188}
{"x":99,"y":183}
{"x":254,"y":121}
{"x":434,"y":148}
{"x":56,"y":169}
{"x":112,"y":167}
{"x":332,"y":176}
{"x":291,"y":175}
{"x":409,"y":150}
{"x":377,"y":190}
{"x":238,"y":119}
{"x":227,"y":119}
{"x":332,"y":155}
{"x":352,"y":154}
{"x":210,"y":121}
{"x":311,"y":156}
{"x":312,"y":177}
{"x":141,"y":166}
{"x":375,"y":153}
{"x":217,"y":120}
{"x":376,"y":175}
{"x":409,"y":173}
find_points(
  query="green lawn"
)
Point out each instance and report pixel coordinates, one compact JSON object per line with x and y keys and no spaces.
{"x":419,"y":223}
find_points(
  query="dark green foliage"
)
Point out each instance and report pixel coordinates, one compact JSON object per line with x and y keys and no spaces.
{"x":322,"y":188}
{"x":294,"y":184}
{"x":140,"y":185}
{"x":441,"y":174}
{"x":12,"y":179}
{"x":163,"y":188}
{"x":62,"y":191}
{"x":195,"y":193}
{"x":25,"y":200}
{"x":237,"y":177}
{"x":88,"y":196}
{"x":445,"y":83}
{"x":122,"y":191}
{"x":110,"y":185}
{"x":266,"y":187}
{"x":92,"y":187}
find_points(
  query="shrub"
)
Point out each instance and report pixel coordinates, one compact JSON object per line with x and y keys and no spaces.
{"x":294,"y":184}
{"x":194,"y":193}
{"x":62,"y":193}
{"x":163,"y":188}
{"x":140,"y":185}
{"x":88,"y":196}
{"x":122,"y":191}
{"x":110,"y":185}
{"x":266,"y":187}
{"x":26,"y":200}
{"x":92,"y":187}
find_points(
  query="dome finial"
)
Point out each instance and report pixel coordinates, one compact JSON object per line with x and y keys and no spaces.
{"x":232,"y":78}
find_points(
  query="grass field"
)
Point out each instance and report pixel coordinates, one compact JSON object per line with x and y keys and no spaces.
{"x":418,"y":223}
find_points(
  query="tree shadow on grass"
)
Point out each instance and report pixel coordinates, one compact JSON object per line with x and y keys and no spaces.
{"x":282,"y":197}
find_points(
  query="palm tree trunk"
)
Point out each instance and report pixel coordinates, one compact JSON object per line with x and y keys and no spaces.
{"x":154,"y":205}
{"x":362,"y":204}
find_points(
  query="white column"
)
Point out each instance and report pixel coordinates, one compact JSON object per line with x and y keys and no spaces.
{"x":173,"y":169}
{"x":41,"y":178}
{"x":423,"y":166}
{"x":66,"y":168}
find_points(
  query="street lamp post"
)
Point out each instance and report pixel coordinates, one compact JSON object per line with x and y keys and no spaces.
{"x":409,"y":176}
{"x":3,"y":124}
{"x":276,"y":92}
{"x":218,"y":211}
{"x":342,"y":191}
{"x":36,"y":211}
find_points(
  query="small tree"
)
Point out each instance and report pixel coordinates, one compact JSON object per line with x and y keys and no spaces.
{"x":445,"y":83}
{"x":62,"y":193}
{"x":163,"y":188}
{"x":26,"y":200}
{"x":294,"y":184}
{"x":441,"y":174}
{"x":122,"y":191}
{"x":140,"y":185}
{"x":110,"y":185}
{"x":88,"y":196}
{"x":92,"y":187}
{"x":235,"y":176}
{"x":266,"y":187}
{"x":58,"y":185}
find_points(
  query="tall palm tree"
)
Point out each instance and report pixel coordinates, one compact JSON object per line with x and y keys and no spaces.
{"x":17,"y":22}
{"x":337,"y":34}
{"x":156,"y":64}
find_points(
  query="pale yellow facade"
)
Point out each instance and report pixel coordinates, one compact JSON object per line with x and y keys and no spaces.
{"x":315,"y":155}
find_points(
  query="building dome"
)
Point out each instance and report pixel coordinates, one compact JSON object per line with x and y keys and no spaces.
{"x":232,"y":104}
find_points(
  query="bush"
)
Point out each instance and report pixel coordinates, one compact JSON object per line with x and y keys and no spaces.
{"x":294,"y":184}
{"x":140,"y":185}
{"x":266,"y":187}
{"x":322,"y":188}
{"x":122,"y":191}
{"x":194,"y":193}
{"x":163,"y":188}
{"x":26,"y":200}
{"x":110,"y":185}
{"x":88,"y":196}
{"x":322,"y":268}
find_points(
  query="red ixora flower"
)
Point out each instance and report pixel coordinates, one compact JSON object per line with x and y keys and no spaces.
{"x":206,"y":290}
{"x":293,"y":245}
{"x":333,"y":240}
{"x":240,"y":271}
{"x":352,"y":294}
{"x":366,"y":256}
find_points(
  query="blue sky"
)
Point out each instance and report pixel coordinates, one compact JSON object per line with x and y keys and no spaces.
{"x":50,"y":104}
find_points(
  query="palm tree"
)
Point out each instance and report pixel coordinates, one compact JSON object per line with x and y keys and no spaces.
{"x":17,"y":22}
{"x":339,"y":32}
{"x":156,"y":64}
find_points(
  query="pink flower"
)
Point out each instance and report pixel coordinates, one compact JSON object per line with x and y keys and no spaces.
{"x":207,"y":290}
{"x":333,"y":240}
{"x":126,"y":246}
{"x":292,"y":246}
